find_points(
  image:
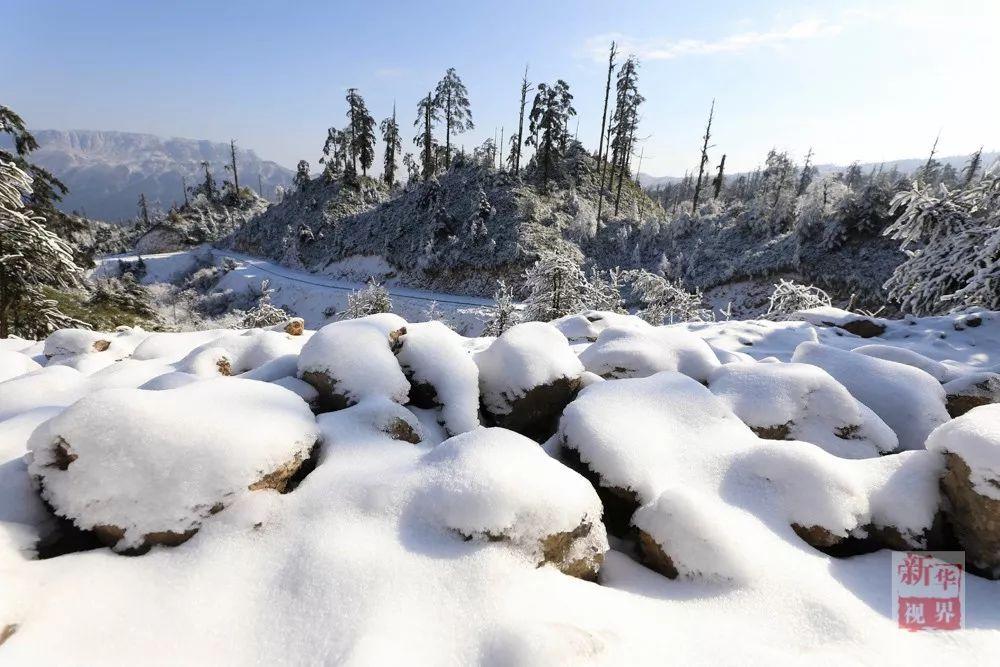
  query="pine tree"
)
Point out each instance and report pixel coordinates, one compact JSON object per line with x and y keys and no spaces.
{"x":427,"y":115}
{"x":808,"y":173}
{"x":208,"y":187}
{"x":505,"y":313}
{"x":452,"y":99}
{"x":704,"y":158}
{"x":972,"y":167}
{"x":412,"y":168}
{"x":549,"y":120}
{"x":31,"y":257}
{"x":301,"y":179}
{"x":556,"y":286}
{"x":720,"y":178}
{"x":929,"y":172}
{"x":362,"y":131}
{"x":393,"y":146}
{"x":625,"y":120}
{"x":516,"y":143}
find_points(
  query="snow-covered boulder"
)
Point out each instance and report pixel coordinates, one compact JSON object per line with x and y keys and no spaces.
{"x":526,"y":377}
{"x":67,"y":342}
{"x":629,"y":351}
{"x":441,"y":372}
{"x":971,"y":444}
{"x":147,"y":467}
{"x":493,"y":484}
{"x":588,"y":325}
{"x":909,"y":400}
{"x":14,"y":364}
{"x":352,"y":359}
{"x":970,"y":391}
{"x":901,"y":355}
{"x":237,"y":353}
{"x":802,"y":402}
{"x":828,"y":316}
{"x":49,"y":386}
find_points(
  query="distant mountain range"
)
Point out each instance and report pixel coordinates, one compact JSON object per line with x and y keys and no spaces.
{"x":905,"y":166}
{"x":106,"y":171}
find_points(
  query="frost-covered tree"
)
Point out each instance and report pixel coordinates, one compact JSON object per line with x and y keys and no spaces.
{"x":393,"y":146}
{"x":371,"y":300}
{"x":789,"y":297}
{"x":427,"y":116}
{"x":412,"y":168}
{"x":666,"y":301}
{"x":31,"y":256}
{"x":336,"y":150}
{"x":555,"y":285}
{"x":124,"y":294}
{"x":549,"y":125}
{"x":452,"y":99}
{"x":301,"y":179}
{"x":952,"y":239}
{"x":972,"y":167}
{"x":625,"y":121}
{"x":362,"y":131}
{"x":265,"y":313}
{"x":208,"y":187}
{"x":505,"y":313}
{"x":603,"y":291}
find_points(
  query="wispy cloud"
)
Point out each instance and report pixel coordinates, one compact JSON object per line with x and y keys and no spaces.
{"x":652,"y":49}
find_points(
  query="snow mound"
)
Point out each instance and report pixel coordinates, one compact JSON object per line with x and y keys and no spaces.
{"x":234,"y":353}
{"x":56,"y":386}
{"x":492,"y":483}
{"x":149,"y":466}
{"x":909,"y":400}
{"x":441,"y":373}
{"x":588,"y":325}
{"x":628,"y":351}
{"x":901,"y":355}
{"x":349,"y":360}
{"x":802,"y":402}
{"x":828,"y":316}
{"x":14,"y":364}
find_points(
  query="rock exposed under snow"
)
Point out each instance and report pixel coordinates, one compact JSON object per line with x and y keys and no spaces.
{"x":970,"y":391}
{"x":828,"y":316}
{"x":352,"y":359}
{"x":147,"y":467}
{"x":526,"y":378}
{"x":494,"y":484}
{"x":802,"y":402}
{"x":909,"y":400}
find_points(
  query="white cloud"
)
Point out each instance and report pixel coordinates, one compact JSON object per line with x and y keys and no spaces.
{"x":737,"y":43}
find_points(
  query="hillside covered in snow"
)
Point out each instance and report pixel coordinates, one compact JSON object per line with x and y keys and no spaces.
{"x":592,"y":490}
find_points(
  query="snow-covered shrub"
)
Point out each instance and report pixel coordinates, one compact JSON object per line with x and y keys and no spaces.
{"x":371,"y":300}
{"x":603,"y":291}
{"x":663,"y":300}
{"x":265,"y":313}
{"x":789,"y":297}
{"x":505,"y":314}
{"x":952,"y":238}
{"x":555,"y":285}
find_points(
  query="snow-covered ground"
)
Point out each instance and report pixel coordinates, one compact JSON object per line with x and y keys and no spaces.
{"x":696,"y":478}
{"x":307,"y":295}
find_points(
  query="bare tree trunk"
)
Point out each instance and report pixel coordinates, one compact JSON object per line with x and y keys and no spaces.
{"x":626,"y":155}
{"x":704,"y":159}
{"x":520,"y":121}
{"x":604,"y":117}
{"x":719,"y":177}
{"x":236,"y":177}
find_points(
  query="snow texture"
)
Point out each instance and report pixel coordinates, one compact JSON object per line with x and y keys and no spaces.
{"x":632,"y":351}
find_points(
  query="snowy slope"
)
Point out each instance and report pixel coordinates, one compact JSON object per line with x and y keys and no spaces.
{"x":405,"y":546}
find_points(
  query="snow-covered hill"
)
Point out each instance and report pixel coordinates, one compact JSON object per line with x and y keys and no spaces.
{"x":106,"y":171}
{"x":711,"y":493}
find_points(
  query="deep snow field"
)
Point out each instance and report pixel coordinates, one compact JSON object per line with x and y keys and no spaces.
{"x":368,"y":493}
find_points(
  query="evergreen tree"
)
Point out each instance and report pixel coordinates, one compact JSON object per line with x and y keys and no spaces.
{"x":362,"y":131}
{"x":704,"y":158}
{"x":265,"y":313}
{"x":412,"y":168}
{"x":549,"y":120}
{"x":625,"y":120}
{"x":929,"y":172}
{"x":452,"y":99}
{"x":505,"y":313}
{"x":427,"y":115}
{"x":208,"y":186}
{"x":972,"y":167}
{"x":301,"y":179}
{"x":143,"y":211}
{"x":336,"y":150}
{"x":31,"y":257}
{"x":808,"y":173}
{"x":556,"y":286}
{"x":393,"y":146}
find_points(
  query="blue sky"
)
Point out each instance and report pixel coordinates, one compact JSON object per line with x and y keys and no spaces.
{"x":854,"y":80}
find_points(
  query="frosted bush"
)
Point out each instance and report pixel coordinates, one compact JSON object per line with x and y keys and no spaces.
{"x":667,"y":301}
{"x":789,"y":297}
{"x":264,"y":314}
{"x":371,"y":300}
